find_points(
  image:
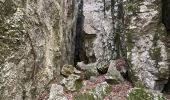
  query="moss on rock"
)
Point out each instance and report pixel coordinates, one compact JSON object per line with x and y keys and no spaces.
{"x":143,"y":94}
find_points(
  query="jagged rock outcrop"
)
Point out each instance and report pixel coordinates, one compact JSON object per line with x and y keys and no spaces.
{"x":36,"y":38}
{"x":146,"y":52}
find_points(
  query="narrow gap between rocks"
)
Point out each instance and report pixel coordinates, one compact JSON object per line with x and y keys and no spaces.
{"x":166,"y":22}
{"x":81,"y":40}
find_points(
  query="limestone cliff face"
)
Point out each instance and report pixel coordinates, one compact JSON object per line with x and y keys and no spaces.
{"x":98,"y":28}
{"x":130,"y":29}
{"x":36,"y":38}
{"x":146,"y":50}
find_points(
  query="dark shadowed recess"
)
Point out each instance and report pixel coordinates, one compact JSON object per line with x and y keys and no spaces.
{"x":80,"y":53}
{"x":166,"y":22}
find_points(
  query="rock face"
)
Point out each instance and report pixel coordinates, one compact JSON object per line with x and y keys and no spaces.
{"x":98,"y":28}
{"x":146,"y":50}
{"x":143,"y":94}
{"x":36,"y":38}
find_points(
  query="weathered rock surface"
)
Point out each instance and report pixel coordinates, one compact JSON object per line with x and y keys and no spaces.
{"x":73,"y":82}
{"x":88,"y":69}
{"x":146,"y":50}
{"x":143,"y":94}
{"x":57,"y":93}
{"x":97,"y":93}
{"x":67,"y":70}
{"x":98,"y":25}
{"x":113,"y":75}
{"x":36,"y":38}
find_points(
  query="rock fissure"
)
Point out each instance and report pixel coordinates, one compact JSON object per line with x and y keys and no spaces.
{"x":83,"y":41}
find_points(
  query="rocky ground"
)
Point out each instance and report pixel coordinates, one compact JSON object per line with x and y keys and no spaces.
{"x":88,"y":84}
{"x":118,"y":92}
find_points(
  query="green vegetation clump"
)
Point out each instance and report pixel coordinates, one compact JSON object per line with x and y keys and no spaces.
{"x":97,"y":93}
{"x":143,"y":94}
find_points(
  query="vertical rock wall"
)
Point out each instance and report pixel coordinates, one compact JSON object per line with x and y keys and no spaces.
{"x":98,"y":24}
{"x":146,"y":51}
{"x":36,"y":38}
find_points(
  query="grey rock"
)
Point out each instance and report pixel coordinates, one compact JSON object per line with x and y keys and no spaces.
{"x":57,"y":93}
{"x":113,"y":75}
{"x":88,"y":69}
{"x":67,"y":70}
{"x":146,"y":52}
{"x":35,"y":42}
{"x":73,"y":82}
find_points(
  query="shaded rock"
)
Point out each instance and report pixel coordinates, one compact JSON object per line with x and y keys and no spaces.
{"x":121,"y":65}
{"x":57,"y":93}
{"x":35,"y":42}
{"x":98,"y":27}
{"x":97,"y":93}
{"x":89,"y":42}
{"x":113,"y":75}
{"x":72,"y":82}
{"x":88,"y":69}
{"x":143,"y":94}
{"x":67,"y":70}
{"x":102,"y":67}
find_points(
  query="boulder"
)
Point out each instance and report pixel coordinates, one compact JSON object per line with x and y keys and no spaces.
{"x":97,"y":93}
{"x":67,"y":70}
{"x":88,"y":69}
{"x":144,"y":94}
{"x":72,"y":82}
{"x":113,"y":75}
{"x":57,"y":93}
